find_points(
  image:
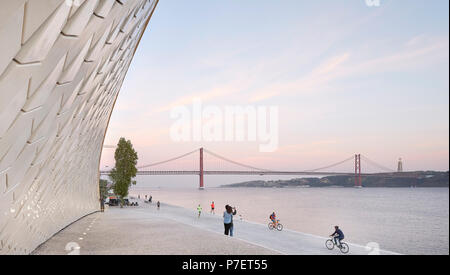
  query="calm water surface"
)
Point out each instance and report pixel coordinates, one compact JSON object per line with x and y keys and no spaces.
{"x":404,"y":220}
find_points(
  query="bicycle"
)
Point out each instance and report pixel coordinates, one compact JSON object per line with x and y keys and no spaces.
{"x":343,"y":246}
{"x":278,"y":225}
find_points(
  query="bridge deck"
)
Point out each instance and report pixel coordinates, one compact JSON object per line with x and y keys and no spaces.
{"x":175,"y":230}
{"x":265,"y":173}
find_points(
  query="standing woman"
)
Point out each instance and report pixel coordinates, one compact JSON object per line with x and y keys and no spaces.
{"x":228,"y":219}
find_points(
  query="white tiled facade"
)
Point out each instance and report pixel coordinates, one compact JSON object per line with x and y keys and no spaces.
{"x":62,"y":63}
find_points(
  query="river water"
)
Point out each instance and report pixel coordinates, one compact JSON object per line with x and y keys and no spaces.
{"x":403,"y":220}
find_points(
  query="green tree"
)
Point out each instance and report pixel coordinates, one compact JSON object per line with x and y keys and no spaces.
{"x":125,"y":169}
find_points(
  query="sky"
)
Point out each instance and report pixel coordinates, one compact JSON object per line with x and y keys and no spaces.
{"x":344,"y":76}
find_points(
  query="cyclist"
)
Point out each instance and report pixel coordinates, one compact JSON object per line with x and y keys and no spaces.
{"x":273,"y":218}
{"x":337,"y":236}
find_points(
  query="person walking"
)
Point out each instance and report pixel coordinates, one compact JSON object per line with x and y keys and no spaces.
{"x":158,"y":204}
{"x":102,"y":205}
{"x":212,"y":208}
{"x":228,"y":220}
{"x":150,"y":199}
{"x":199,"y":209}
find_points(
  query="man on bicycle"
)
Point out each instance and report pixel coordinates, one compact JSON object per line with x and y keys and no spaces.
{"x":337,"y":236}
{"x":273,"y":218}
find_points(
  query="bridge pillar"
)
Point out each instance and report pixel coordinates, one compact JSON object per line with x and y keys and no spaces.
{"x":358,"y":171}
{"x":359,"y":167}
{"x":201,"y":169}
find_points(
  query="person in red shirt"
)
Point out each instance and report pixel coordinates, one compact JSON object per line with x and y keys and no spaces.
{"x":212,"y":208}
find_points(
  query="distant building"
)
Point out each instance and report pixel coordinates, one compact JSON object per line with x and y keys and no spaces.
{"x":400,"y":165}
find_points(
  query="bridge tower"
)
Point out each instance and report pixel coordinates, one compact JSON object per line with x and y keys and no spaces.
{"x":400,"y":166}
{"x":201,"y":169}
{"x":358,"y":170}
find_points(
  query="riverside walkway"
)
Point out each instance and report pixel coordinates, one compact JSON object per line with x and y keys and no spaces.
{"x":177,"y":231}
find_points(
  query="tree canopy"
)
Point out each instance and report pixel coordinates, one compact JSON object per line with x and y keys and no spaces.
{"x":125,"y":168}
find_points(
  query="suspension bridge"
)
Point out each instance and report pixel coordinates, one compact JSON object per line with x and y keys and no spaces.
{"x":203,"y":162}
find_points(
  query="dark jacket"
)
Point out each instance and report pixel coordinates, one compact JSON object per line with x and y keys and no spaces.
{"x":340,"y":233}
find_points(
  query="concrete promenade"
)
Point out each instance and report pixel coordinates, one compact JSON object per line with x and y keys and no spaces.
{"x":177,"y":231}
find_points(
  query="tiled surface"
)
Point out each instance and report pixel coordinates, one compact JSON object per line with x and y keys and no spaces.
{"x":148,"y":232}
{"x":62,"y":63}
{"x":178,"y":231}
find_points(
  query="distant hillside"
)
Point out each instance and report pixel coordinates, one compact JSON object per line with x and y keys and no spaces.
{"x":408,"y":179}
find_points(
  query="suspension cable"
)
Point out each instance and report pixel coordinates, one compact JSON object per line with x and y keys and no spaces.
{"x":237,"y":163}
{"x":169,"y":160}
{"x":377,"y":165}
{"x":330,"y":166}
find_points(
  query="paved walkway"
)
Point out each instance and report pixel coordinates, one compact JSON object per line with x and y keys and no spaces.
{"x":177,"y":231}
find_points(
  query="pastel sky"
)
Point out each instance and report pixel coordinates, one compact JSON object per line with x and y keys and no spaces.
{"x":347,"y":78}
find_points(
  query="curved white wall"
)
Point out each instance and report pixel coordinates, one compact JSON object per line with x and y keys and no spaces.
{"x":62,"y":63}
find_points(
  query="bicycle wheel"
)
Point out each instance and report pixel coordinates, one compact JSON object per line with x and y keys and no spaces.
{"x":279,"y":227}
{"x":329,"y":244}
{"x":344,"y":248}
{"x":271,"y":226}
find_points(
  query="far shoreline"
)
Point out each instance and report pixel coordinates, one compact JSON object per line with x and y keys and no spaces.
{"x":418,"y":179}
{"x":331,"y":187}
